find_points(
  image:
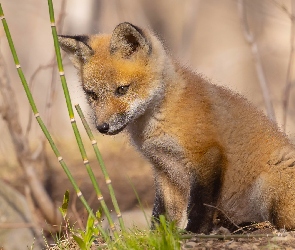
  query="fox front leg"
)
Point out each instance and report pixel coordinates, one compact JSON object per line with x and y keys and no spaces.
{"x":201,"y":207}
{"x":205,"y":186}
{"x":171,"y":200}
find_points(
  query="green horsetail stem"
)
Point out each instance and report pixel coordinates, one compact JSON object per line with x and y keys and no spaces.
{"x":73,"y":121}
{"x":228,"y":236}
{"x":40,"y":121}
{"x":102,"y":166}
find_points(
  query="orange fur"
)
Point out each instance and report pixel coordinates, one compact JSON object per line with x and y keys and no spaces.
{"x":207,"y":144}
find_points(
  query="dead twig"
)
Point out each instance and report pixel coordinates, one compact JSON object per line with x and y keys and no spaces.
{"x":290,"y":70}
{"x":259,"y":225}
{"x":283,"y":8}
{"x":220,"y":210}
{"x":51,"y":93}
{"x":31,"y":84}
{"x":23,"y":152}
{"x":250,"y":38}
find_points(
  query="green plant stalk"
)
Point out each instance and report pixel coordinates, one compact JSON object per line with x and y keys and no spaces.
{"x":226,"y":237}
{"x":73,"y":121}
{"x":40,"y":121}
{"x":102,"y":166}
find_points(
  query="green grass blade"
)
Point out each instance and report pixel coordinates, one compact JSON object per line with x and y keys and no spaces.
{"x":102,"y":166}
{"x":40,"y":121}
{"x":73,"y":121}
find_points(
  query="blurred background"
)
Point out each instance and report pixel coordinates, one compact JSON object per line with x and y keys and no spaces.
{"x":243,"y":45}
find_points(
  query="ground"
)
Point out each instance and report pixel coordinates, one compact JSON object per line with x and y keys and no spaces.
{"x":264,"y":236}
{"x":283,"y":241}
{"x":128,"y":170}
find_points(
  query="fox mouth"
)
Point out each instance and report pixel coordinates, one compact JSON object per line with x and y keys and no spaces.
{"x":114,"y":126}
{"x":117,"y":131}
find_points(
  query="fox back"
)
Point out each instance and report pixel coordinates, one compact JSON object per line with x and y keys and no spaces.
{"x":211,"y":150}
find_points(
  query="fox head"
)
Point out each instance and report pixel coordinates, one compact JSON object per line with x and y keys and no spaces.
{"x":122,"y":74}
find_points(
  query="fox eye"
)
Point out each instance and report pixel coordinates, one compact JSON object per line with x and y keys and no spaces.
{"x":91,"y":94}
{"x":122,"y":90}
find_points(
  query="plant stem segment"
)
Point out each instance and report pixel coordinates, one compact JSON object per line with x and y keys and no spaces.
{"x":40,"y":121}
{"x":102,"y":166}
{"x":73,"y":121}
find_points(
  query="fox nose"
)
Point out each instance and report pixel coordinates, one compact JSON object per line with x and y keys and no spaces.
{"x":103,"y":128}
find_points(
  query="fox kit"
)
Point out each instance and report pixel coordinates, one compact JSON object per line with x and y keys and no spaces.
{"x":214,"y":155}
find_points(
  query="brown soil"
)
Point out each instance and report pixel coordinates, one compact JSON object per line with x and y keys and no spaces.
{"x":262,"y":236}
{"x":277,"y":241}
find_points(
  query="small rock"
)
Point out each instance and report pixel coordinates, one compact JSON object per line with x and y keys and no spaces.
{"x":190,"y":245}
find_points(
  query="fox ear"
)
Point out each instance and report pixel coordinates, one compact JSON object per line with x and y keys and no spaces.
{"x":127,"y":39}
{"x":77,"y":48}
